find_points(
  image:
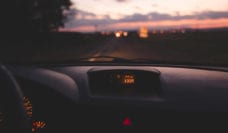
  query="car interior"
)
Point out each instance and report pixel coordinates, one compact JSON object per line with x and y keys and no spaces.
{"x":121,"y":98}
{"x":105,"y":93}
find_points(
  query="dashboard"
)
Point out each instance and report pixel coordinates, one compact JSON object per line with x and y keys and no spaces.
{"x":123,"y":98}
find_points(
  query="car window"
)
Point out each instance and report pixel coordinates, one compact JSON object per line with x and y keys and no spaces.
{"x":165,"y":31}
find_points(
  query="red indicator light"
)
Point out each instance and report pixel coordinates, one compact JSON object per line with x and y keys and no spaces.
{"x":127,"y":122}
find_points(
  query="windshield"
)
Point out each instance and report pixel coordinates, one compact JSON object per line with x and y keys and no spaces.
{"x":147,"y":31}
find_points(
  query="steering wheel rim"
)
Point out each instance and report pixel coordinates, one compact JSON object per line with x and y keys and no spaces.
{"x":11,"y":100}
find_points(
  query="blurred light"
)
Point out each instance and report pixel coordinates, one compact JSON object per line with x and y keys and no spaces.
{"x":118,"y":34}
{"x":127,"y":122}
{"x":125,"y":34}
{"x":38,"y":125}
{"x":92,"y":59}
{"x":118,"y":76}
{"x":128,"y":79}
{"x":143,"y":32}
{"x":28,"y":106}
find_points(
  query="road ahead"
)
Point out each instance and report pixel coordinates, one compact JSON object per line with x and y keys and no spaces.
{"x":192,"y":48}
{"x":119,"y":47}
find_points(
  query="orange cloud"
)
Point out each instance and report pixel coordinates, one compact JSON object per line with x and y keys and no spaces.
{"x":79,"y":29}
{"x":186,"y":23}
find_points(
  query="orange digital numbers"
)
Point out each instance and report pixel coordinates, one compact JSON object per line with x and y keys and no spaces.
{"x":128,"y":79}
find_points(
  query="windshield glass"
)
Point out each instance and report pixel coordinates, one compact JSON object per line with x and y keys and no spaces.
{"x":165,"y":31}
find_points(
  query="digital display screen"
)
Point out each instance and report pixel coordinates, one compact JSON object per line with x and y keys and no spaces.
{"x":124,"y":82}
{"x":125,"y":79}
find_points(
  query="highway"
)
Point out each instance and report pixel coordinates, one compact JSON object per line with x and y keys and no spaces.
{"x":120,"y":47}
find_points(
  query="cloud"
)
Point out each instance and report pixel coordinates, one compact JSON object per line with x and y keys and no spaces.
{"x":121,"y":0}
{"x":154,"y":5}
{"x":155,"y":16}
{"x":78,"y":14}
{"x":138,"y":7}
{"x":83,"y":18}
{"x":212,"y":15}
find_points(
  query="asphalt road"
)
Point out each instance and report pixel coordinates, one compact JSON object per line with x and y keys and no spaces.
{"x":113,"y":47}
{"x":120,"y":47}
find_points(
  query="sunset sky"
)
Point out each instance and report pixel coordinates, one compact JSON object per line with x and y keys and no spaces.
{"x":100,"y":15}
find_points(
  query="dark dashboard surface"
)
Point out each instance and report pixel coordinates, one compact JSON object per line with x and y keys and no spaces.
{"x":125,"y":98}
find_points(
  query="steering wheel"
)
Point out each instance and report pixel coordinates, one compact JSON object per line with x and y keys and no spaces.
{"x":11,"y":104}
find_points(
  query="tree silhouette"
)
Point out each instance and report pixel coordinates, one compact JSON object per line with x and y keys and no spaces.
{"x":32,"y":16}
